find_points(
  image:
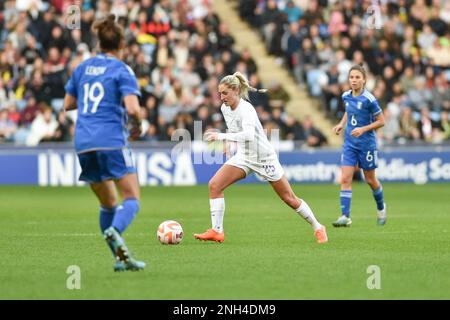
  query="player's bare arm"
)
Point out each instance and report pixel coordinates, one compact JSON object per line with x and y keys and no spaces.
{"x":338,"y":128}
{"x":133,"y":108}
{"x":70,"y":102}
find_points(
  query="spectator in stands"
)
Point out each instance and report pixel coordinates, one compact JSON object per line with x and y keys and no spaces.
{"x":278,"y":96}
{"x":419,"y":96}
{"x":203,"y":115}
{"x":426,"y":38}
{"x":279,"y":122}
{"x":407,"y":79}
{"x":313,"y":136}
{"x":7,"y":126}
{"x":43,"y":127}
{"x":437,"y":24}
{"x":427,"y":127}
{"x":54,"y":69}
{"x":292,"y":11}
{"x":225,"y":40}
{"x":30,"y":111}
{"x":445,"y":125}
{"x":39,"y":88}
{"x":19,"y":38}
{"x":313,"y":13}
{"x":408,"y":126}
{"x":269,"y":22}
{"x":439,"y":54}
{"x":391,"y":129}
{"x":306,"y":60}
{"x":294,"y":131}
{"x":440,"y":94}
{"x":246,"y":57}
{"x":331,"y":91}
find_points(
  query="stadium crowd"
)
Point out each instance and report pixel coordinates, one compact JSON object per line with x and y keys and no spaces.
{"x":404,"y":44}
{"x":179,"y":50}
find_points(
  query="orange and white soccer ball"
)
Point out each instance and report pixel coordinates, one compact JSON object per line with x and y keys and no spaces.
{"x":170,"y":232}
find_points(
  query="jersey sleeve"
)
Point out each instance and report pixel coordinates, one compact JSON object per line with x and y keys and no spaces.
{"x":345,"y":94}
{"x":374,"y":108}
{"x":71,"y":85}
{"x":248,"y":129}
{"x":127,"y":82}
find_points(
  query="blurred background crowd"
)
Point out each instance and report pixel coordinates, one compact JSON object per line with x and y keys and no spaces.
{"x":404,"y":44}
{"x":180,"y":49}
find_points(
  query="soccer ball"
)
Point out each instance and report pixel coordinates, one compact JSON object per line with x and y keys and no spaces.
{"x":170,"y":232}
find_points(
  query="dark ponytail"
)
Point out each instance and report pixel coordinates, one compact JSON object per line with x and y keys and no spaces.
{"x":109,"y":33}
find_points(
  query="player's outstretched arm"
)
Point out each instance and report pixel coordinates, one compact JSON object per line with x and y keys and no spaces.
{"x":70,"y":102}
{"x":247,"y":134}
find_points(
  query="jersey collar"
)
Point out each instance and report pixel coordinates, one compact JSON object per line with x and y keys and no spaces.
{"x":102,"y":55}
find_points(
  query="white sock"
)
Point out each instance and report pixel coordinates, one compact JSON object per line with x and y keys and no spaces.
{"x":217,"y":207}
{"x":305,"y":211}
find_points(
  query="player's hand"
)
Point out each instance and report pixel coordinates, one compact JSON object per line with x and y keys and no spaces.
{"x":337,"y":129}
{"x":135,"y":132}
{"x":211,"y":136}
{"x":357,"y":132}
{"x":135,"y":128}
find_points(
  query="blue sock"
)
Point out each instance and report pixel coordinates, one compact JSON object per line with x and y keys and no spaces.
{"x":346,"y":201}
{"x":125,"y":214}
{"x":379,"y":199}
{"x":106,"y":217}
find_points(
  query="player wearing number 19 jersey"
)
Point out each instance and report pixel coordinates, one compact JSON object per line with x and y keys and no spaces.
{"x":362,"y":116}
{"x":104,"y":90}
{"x":100,"y":83}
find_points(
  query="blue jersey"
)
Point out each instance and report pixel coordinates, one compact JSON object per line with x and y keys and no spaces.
{"x":99,"y":84}
{"x":361,"y":111}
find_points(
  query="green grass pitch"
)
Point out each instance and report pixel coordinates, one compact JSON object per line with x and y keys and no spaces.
{"x":269,"y":252}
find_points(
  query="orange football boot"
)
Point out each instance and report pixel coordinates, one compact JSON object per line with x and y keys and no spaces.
{"x":321,"y":235}
{"x":210,"y":235}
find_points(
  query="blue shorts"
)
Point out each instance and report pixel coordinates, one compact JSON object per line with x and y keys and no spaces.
{"x":101,"y":165}
{"x":365,"y":159}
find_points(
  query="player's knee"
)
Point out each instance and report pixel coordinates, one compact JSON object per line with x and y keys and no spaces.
{"x":346,"y":181}
{"x":130,"y":191}
{"x":214,"y":186}
{"x":109,"y":202}
{"x":372,"y":182}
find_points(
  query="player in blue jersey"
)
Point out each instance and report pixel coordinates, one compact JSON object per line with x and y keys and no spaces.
{"x":105,"y":92}
{"x":362,"y":117}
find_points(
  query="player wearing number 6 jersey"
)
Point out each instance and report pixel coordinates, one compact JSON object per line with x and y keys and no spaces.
{"x":362,"y":117}
{"x":254,"y":153}
{"x":104,"y":89}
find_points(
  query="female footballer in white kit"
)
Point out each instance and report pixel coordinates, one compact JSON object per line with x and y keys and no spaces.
{"x":254,"y":153}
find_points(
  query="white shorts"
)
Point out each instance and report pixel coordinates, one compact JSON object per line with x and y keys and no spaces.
{"x":269,"y":171}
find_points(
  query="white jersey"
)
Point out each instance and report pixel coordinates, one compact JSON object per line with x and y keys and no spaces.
{"x":245,"y":128}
